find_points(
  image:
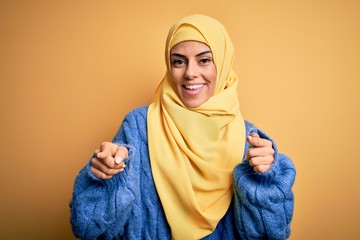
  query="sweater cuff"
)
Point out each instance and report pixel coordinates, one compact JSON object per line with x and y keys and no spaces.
{"x":265,"y":178}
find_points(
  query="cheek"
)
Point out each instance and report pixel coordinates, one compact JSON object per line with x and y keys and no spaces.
{"x":175,"y":76}
{"x":212,"y":75}
{"x":212,"y":79}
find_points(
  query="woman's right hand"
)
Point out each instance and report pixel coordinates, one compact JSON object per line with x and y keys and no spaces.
{"x":108,"y":160}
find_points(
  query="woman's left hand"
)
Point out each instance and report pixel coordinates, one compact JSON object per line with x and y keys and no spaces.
{"x":261,"y":155}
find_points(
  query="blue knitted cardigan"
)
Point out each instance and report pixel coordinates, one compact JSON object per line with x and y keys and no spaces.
{"x":127,"y":206}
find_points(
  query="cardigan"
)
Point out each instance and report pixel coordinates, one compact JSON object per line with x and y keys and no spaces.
{"x":127,"y":206}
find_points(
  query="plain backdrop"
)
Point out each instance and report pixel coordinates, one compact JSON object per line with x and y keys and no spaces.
{"x":71,"y":70}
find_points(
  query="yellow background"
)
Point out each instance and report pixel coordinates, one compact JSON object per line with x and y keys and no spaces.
{"x":70,"y":70}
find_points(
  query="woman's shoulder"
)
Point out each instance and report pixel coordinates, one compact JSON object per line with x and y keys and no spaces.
{"x":137,"y":115}
{"x":134,"y":123}
{"x":140,"y":111}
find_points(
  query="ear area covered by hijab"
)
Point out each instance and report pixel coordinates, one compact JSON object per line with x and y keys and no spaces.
{"x":194,"y":151}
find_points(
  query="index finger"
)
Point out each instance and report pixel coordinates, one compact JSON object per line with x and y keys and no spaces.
{"x":255,"y":140}
{"x":106,"y":149}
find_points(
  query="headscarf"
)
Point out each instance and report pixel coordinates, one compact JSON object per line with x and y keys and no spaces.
{"x":193,"y":151}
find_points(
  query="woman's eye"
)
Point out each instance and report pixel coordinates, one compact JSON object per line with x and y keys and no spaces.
{"x":178,"y":62}
{"x":205,"y":61}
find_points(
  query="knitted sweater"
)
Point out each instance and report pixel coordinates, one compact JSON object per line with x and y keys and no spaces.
{"x":127,"y":206}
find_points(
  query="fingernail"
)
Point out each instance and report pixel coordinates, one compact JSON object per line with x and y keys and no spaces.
{"x":118,"y":160}
{"x":99,"y":155}
{"x":250,"y":138}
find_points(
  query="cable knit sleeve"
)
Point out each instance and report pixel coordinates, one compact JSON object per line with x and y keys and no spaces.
{"x":101,"y":208}
{"x":264,"y":202}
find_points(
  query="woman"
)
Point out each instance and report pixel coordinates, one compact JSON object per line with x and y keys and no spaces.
{"x":182,"y":168}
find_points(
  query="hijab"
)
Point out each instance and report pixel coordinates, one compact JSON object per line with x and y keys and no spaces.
{"x":193,"y":151}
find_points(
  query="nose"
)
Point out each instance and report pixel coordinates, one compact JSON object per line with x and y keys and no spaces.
{"x":192,"y":70}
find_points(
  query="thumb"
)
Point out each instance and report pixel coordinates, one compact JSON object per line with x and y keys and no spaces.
{"x":121,"y":154}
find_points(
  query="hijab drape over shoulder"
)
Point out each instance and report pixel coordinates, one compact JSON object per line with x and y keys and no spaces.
{"x":193,"y":151}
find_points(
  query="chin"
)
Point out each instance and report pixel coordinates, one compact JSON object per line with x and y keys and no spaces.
{"x":192,"y":104}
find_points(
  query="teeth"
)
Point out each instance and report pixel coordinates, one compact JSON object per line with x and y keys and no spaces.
{"x":194,"y":87}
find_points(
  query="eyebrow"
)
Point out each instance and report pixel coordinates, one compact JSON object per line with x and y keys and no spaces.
{"x":197,"y":55}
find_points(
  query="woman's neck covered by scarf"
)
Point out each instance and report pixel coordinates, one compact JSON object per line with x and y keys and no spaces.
{"x":193,"y":151}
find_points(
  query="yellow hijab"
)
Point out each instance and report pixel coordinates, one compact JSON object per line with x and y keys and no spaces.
{"x":193,"y":151}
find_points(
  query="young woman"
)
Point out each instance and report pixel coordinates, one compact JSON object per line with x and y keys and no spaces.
{"x":188,"y":166}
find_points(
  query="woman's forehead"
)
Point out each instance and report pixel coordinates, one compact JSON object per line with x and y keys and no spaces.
{"x":190,"y":45}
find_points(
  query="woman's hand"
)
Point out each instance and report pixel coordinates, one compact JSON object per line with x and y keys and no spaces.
{"x":261,"y":155}
{"x":108,"y":160}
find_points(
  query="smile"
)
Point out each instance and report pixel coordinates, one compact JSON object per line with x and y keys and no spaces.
{"x":193,"y":87}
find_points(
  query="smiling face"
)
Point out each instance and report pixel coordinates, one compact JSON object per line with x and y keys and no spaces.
{"x":193,"y":72}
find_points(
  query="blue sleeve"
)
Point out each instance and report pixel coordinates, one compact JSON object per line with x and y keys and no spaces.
{"x":264,"y":202}
{"x":101,"y":208}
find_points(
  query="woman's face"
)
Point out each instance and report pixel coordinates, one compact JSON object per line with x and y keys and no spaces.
{"x":193,"y":72}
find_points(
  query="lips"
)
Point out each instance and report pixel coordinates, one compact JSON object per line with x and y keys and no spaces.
{"x":193,"y":86}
